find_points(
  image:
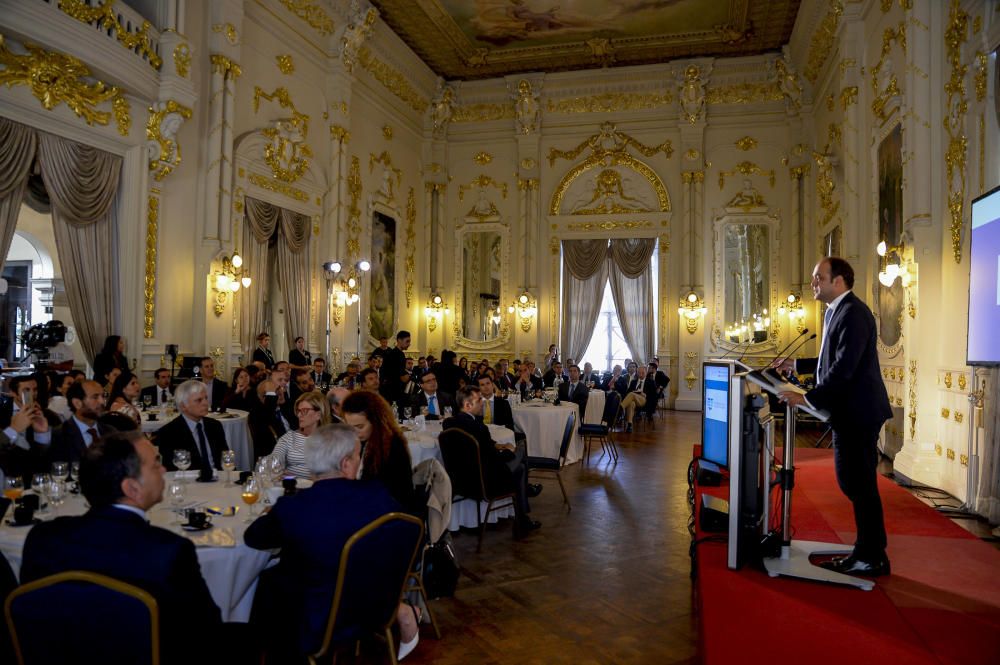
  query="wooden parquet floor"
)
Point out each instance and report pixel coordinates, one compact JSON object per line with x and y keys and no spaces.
{"x":607,"y":582}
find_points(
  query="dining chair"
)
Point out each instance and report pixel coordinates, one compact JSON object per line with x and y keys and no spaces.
{"x":554,"y":465}
{"x":112,"y":622}
{"x":604,"y":430}
{"x":460,"y":452}
{"x":371,"y":578}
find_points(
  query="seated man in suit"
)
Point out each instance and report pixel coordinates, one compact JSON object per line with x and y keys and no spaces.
{"x":122,"y":478}
{"x":661,"y":378}
{"x":159,"y":391}
{"x":430,"y":397}
{"x":503,"y":466}
{"x":311,"y":527}
{"x":203,"y":437}
{"x":320,"y":376}
{"x":281,"y":378}
{"x":71,"y":440}
{"x":304,"y":383}
{"x":26,"y":434}
{"x":527,"y":383}
{"x":266,"y":420}
{"x":214,"y":388}
{"x":575,"y":390}
{"x":641,"y":392}
{"x":336,"y":398}
{"x":496,"y":410}
{"x":369,"y":380}
{"x":610,"y":382}
{"x":588,"y":374}
{"x":555,"y":372}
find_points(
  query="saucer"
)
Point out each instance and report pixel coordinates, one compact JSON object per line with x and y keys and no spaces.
{"x":33,"y":522}
{"x":188,"y":527}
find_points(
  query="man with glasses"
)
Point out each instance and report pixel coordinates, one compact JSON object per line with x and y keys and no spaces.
{"x":429,"y":397}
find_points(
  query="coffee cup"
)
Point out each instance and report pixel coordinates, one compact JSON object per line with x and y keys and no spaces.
{"x":29,"y":501}
{"x":150,"y":416}
{"x":23,"y":515}
{"x":197,"y":519}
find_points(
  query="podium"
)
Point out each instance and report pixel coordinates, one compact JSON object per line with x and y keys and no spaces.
{"x":794,"y":557}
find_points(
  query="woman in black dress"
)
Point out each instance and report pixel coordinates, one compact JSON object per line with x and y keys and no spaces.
{"x":263,"y":351}
{"x":112,"y":355}
{"x":299,"y":357}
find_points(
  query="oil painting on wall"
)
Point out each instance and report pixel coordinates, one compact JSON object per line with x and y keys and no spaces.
{"x":890,"y":226}
{"x":382,"y":314}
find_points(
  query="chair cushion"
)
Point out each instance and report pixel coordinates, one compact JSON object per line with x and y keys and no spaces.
{"x":592,"y":429}
{"x":543,"y":463}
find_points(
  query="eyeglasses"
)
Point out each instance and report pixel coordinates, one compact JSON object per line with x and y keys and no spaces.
{"x":305,"y":411}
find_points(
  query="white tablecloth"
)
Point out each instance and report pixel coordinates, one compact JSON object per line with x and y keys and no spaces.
{"x":423,"y":445}
{"x":595,"y":407}
{"x":234,"y":424}
{"x":230,"y":571}
{"x":543,"y":426}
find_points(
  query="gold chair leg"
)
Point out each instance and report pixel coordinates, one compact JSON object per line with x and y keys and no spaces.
{"x":427,"y":603}
{"x":390,"y":646}
{"x":563,"y":488}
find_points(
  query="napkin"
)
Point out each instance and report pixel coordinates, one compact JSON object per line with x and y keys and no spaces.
{"x":214,"y":537}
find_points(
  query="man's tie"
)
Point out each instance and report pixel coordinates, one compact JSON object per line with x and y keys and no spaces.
{"x":487,"y":414}
{"x":163,"y":396}
{"x":821,"y":365}
{"x":92,"y":432}
{"x":572,"y":389}
{"x":206,"y":455}
{"x":432,"y":405}
{"x":280,"y":421}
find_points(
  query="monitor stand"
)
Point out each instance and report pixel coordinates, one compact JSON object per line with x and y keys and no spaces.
{"x":794,"y":558}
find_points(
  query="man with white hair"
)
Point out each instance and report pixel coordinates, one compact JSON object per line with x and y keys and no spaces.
{"x":203,"y":437}
{"x":310,"y":528}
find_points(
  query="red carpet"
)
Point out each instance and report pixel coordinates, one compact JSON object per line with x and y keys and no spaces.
{"x":941,"y":605}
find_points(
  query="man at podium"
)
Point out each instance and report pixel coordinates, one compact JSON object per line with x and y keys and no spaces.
{"x":849,"y":385}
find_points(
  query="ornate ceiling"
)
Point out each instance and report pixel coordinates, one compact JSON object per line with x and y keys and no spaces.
{"x":473,"y":39}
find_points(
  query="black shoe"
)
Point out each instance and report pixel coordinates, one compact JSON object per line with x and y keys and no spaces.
{"x":628,"y":428}
{"x":534,"y":489}
{"x":851,"y":565}
{"x":525,"y":526}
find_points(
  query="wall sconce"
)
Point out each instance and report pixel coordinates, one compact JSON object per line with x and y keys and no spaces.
{"x":229,"y":280}
{"x":893,"y":265}
{"x":433,"y":311}
{"x":793,"y":308}
{"x":691,"y":309}
{"x":526,"y":308}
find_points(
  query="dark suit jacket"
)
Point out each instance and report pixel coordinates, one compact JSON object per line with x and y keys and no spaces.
{"x":176,"y":435}
{"x":68,"y":443}
{"x":120,"y":544}
{"x":627,"y":384}
{"x":311,"y":528}
{"x":501,"y":414}
{"x":14,"y":460}
{"x":393,"y":364}
{"x":154,"y":391}
{"x":536,"y":384}
{"x":580,"y":395}
{"x":443,"y":399}
{"x":219,"y":391}
{"x":550,"y":376}
{"x":610,"y":382}
{"x":505,"y":381}
{"x":300,"y":358}
{"x":851,"y":387}
{"x":496,"y":473}
{"x":321,"y":378}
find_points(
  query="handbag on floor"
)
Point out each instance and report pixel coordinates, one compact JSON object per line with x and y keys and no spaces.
{"x":440,"y":568}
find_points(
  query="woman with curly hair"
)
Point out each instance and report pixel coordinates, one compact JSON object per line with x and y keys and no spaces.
{"x":384,"y":454}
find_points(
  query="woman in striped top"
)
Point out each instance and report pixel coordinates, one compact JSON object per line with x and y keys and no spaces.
{"x":312,"y":411}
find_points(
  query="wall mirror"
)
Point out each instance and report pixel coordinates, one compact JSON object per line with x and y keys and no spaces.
{"x":745,"y":281}
{"x":482,"y":260}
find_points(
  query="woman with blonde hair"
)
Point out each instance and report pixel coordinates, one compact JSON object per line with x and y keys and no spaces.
{"x":312,"y":411}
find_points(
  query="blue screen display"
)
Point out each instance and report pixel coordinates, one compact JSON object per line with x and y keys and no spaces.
{"x":715,"y":414}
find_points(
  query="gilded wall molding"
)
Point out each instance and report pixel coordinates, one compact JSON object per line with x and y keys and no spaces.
{"x":610,"y":226}
{"x":746,"y":168}
{"x":278,"y":187}
{"x":746,"y":143}
{"x":913,"y":399}
{"x":182,"y":60}
{"x":822,"y":41}
{"x":56,"y":78}
{"x":312,"y":13}
{"x":411,"y":244}
{"x":480,"y":182}
{"x":354,"y":189}
{"x":164,"y":122}
{"x":957,"y":104}
{"x":744,"y":93}
{"x":149,"y":285}
{"x":610,"y":102}
{"x":286,"y":152}
{"x":483,"y":112}
{"x":890,"y":84}
{"x":393,"y":81}
{"x":229,"y":30}
{"x":223,"y":65}
{"x":104,"y":13}
{"x":616,"y":159}
{"x":286,"y":65}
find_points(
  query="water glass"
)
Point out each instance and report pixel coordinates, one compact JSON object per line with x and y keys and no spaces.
{"x":447,"y":412}
{"x":182,"y":459}
{"x":59,"y":469}
{"x":175,"y":493}
{"x":276,"y":469}
{"x":14,"y":488}
{"x":56,"y":492}
{"x":74,"y":469}
{"x":228,"y":464}
{"x":147,"y":400}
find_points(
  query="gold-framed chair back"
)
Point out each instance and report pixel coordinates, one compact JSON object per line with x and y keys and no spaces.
{"x":25,"y":648}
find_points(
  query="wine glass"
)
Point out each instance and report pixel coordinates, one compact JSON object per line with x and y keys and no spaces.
{"x":175,"y":492}
{"x":147,"y":401}
{"x":59,"y":469}
{"x":275,"y":469}
{"x":228,"y":464}
{"x":14,"y":488}
{"x":56,"y":492}
{"x":39,"y":481}
{"x":182,"y":459}
{"x":74,"y":469}
{"x":250,"y":494}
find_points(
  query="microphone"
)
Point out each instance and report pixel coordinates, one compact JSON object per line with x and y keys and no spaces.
{"x":735,"y":348}
{"x":782,"y":352}
{"x":772,"y":372}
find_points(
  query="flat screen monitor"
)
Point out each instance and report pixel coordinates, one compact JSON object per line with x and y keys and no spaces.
{"x":984,"y":281}
{"x":715,"y":412}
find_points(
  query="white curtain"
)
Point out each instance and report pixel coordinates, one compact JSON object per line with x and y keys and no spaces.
{"x":293,"y":271}
{"x":82,"y":183}
{"x":989,"y":451}
{"x":17,"y":153}
{"x":632,"y":289}
{"x":585,"y":272}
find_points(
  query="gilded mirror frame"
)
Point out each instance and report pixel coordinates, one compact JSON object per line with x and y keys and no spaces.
{"x":773,"y":225}
{"x":473,"y":225}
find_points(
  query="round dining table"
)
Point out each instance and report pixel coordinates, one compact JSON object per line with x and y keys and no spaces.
{"x":229,"y":567}
{"x":234,"y":424}
{"x":543,"y":425}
